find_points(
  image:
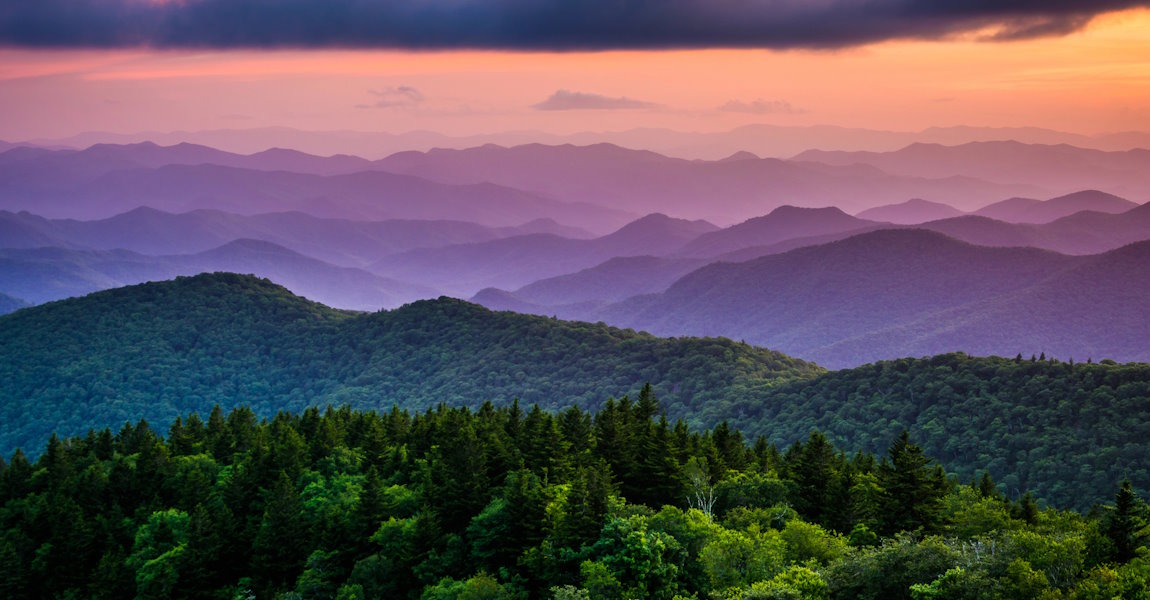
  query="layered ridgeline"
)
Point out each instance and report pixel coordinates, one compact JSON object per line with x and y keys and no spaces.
{"x":894,"y":293}
{"x":508,"y":504}
{"x":162,"y":349}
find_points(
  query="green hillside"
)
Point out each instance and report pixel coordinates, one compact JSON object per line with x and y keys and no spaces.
{"x":1062,"y":430}
{"x":158,"y":350}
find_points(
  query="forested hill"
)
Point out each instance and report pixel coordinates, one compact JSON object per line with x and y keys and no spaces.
{"x":1061,"y":430}
{"x":161,"y":349}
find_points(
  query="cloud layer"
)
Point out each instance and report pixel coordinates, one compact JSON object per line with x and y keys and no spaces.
{"x":568,"y":100}
{"x":760,"y":107}
{"x":531,"y":24}
{"x":391,"y":96}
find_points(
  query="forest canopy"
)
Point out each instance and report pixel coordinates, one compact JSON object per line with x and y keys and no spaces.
{"x":513,"y":503}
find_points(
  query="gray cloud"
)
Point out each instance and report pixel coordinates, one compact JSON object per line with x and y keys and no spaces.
{"x":531,"y":24}
{"x":390,"y":96}
{"x":760,"y":107}
{"x":568,"y":100}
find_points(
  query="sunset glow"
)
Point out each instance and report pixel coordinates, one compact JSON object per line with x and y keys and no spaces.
{"x":1096,"y":80}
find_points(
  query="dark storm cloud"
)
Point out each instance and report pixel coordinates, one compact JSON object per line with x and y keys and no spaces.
{"x":529,"y":24}
{"x":567,"y":100}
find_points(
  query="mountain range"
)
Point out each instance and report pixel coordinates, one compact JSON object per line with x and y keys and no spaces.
{"x":1012,"y":210}
{"x":777,"y":141}
{"x":512,"y":262}
{"x":532,"y":234}
{"x":1029,"y":210}
{"x":574,"y":185}
{"x":578,"y":295}
{"x":1059,"y":168}
{"x":722,"y":191}
{"x":340,"y":241}
{"x":103,"y":181}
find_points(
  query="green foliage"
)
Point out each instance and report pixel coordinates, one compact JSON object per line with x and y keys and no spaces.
{"x":735,"y":558}
{"x":806,"y":542}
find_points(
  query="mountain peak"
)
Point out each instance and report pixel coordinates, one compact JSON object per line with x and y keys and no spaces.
{"x":1028,"y":210}
{"x":790,"y":209}
{"x":662,"y":224}
{"x":740,"y":155}
{"x":910,"y":212}
{"x":783,"y":223}
{"x":249,"y":245}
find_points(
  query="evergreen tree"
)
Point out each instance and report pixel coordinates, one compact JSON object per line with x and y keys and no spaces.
{"x":815,"y":469}
{"x":1126,"y":526}
{"x":457,"y":486}
{"x":279,"y":547}
{"x":912,"y":489}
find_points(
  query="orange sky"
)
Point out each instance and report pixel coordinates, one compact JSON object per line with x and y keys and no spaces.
{"x":1096,"y":80}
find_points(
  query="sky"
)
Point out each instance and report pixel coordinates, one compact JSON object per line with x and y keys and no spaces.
{"x":465,"y":67}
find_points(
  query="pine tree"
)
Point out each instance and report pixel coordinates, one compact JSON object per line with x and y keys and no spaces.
{"x":201,"y":571}
{"x":1027,"y":509}
{"x":371,"y":508}
{"x":813,"y":467}
{"x":457,"y":486}
{"x":1126,"y":526}
{"x":278,"y":551}
{"x":986,"y":487}
{"x":913,"y":490}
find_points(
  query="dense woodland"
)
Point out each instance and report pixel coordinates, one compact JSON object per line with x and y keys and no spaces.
{"x":514,"y":503}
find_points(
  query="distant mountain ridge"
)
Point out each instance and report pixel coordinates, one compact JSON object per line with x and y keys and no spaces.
{"x":911,"y":212}
{"x":891,"y":293}
{"x":339,"y":241}
{"x":725,"y":190}
{"x":1059,"y":168}
{"x":781,"y":224}
{"x":571,"y":184}
{"x":1028,"y":210}
{"x":578,"y":295}
{"x":41,"y":275}
{"x":777,"y":141}
{"x":69,"y":185}
{"x":512,"y":262}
